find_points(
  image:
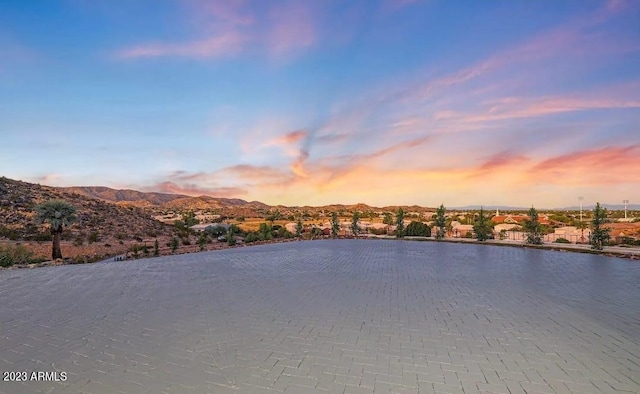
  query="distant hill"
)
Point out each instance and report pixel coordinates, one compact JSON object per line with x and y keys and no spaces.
{"x":611,"y":207}
{"x":108,"y":221}
{"x":129,"y":197}
{"x":125,"y":195}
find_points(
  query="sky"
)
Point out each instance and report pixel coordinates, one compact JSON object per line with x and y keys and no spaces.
{"x":519,"y":103}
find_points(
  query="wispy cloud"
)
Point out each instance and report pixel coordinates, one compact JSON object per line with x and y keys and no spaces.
{"x":231,"y":27}
{"x":456,"y":133}
{"x":608,"y":165}
{"x":291,"y":28}
{"x":196,"y":190}
{"x":228,"y":43}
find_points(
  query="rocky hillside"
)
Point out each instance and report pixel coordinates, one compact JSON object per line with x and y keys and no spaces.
{"x":123,"y":195}
{"x":163,"y":200}
{"x":98,"y":220}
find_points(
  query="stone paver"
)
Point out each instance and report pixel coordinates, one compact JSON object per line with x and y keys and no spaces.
{"x":344,"y":316}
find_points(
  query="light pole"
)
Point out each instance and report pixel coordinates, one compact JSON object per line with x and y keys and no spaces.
{"x":580,"y":198}
{"x":625,"y":202}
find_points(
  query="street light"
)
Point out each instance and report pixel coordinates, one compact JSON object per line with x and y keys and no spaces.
{"x":580,"y":198}
{"x":625,"y":202}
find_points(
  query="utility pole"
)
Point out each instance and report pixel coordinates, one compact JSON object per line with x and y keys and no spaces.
{"x":625,"y":202}
{"x":580,"y":198}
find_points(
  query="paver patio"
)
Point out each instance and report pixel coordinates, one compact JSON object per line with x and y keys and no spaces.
{"x":343,"y":316}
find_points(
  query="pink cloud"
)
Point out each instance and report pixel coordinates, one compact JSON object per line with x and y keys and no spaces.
{"x":289,"y":138}
{"x":297,"y":166}
{"x":231,"y":27}
{"x":504,"y":160}
{"x":195,"y":190}
{"x":254,"y":173}
{"x":513,"y":108}
{"x":292,"y":28}
{"x":226,"y":44}
{"x":608,"y":158}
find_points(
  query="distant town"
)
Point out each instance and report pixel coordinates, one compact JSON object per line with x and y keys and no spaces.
{"x":120,"y":224}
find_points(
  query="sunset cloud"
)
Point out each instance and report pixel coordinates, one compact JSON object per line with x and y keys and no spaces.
{"x":608,"y":165}
{"x":294,"y":102}
{"x":196,"y":191}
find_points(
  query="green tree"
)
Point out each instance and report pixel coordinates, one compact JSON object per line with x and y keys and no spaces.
{"x":400,"y":223}
{"x":441,"y":222}
{"x":388,"y":219}
{"x":184,"y":226}
{"x":299,"y":228}
{"x":266,"y":231}
{"x":355,"y":223}
{"x":417,"y":229}
{"x":599,"y":234}
{"x":174,"y":244}
{"x":189,"y":219}
{"x":156,"y":248}
{"x":533,"y":228}
{"x":335,"y":225}
{"x":58,"y":213}
{"x":482,"y":227}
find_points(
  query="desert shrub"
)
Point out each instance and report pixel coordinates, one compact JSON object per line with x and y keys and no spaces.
{"x":202,"y":240}
{"x":18,"y":254}
{"x":93,"y":237}
{"x":42,"y":236}
{"x":173,"y":244}
{"x":9,"y":233}
{"x":562,"y":241}
{"x":216,"y":231}
{"x":186,"y":241}
{"x":629,"y":241}
{"x":251,"y":237}
{"x":378,"y":231}
{"x":282,"y":232}
{"x":79,"y":239}
{"x":468,"y":234}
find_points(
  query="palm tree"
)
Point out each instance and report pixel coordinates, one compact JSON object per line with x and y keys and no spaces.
{"x":58,"y":213}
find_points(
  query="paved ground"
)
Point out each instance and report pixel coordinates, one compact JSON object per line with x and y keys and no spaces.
{"x":328,"y":316}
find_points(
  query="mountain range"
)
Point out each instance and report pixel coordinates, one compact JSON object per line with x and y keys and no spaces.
{"x":130,"y":197}
{"x":103,"y":219}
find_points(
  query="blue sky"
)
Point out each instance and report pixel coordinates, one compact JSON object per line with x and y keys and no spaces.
{"x":304,"y":102}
